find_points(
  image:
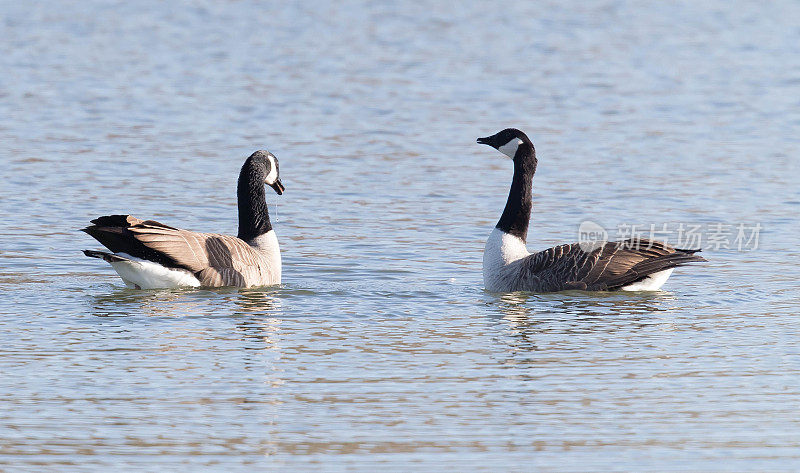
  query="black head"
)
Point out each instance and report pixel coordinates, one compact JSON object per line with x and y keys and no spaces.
{"x":272,"y":176}
{"x":508,"y":142}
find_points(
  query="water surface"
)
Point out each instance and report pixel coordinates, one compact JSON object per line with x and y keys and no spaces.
{"x":381,"y":349}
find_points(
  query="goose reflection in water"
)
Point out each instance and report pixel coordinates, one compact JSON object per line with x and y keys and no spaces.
{"x":187,"y":302}
{"x":528,"y":315}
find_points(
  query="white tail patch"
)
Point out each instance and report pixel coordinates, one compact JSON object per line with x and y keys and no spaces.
{"x":144,"y":274}
{"x":650,"y":283}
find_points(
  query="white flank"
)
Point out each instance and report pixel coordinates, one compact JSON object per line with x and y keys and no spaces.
{"x":510,"y":148}
{"x":501,"y":250}
{"x":650,"y":283}
{"x":143,"y":274}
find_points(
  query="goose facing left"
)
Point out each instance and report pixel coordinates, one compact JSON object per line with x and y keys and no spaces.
{"x":148,"y":255}
{"x":630,"y":265}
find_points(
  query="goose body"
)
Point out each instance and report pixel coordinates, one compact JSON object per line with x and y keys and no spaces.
{"x":630,"y":265}
{"x":147,"y":254}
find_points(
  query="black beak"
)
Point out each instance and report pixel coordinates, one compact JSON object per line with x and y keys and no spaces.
{"x":278,"y":186}
{"x":484,"y":141}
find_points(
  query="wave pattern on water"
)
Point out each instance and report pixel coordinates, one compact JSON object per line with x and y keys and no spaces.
{"x":381,"y":348}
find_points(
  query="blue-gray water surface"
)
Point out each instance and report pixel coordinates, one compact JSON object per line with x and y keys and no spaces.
{"x":381,"y":349}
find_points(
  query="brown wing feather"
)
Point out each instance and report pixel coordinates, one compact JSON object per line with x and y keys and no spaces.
{"x":187,"y":249}
{"x":217,"y":260}
{"x":609,"y":267}
{"x":625,"y":262}
{"x":114,"y":232}
{"x":116,"y":221}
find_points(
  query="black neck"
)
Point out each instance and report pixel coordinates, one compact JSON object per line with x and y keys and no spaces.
{"x":253,"y":214}
{"x":517,"y":213}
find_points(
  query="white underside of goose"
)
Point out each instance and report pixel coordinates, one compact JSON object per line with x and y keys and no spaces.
{"x":650,"y":283}
{"x":142,"y":274}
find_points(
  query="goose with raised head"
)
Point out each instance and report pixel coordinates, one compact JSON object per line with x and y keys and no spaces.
{"x":632,"y":265}
{"x":147,"y":254}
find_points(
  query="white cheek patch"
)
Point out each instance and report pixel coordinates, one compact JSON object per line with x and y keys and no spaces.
{"x":510,"y":148}
{"x":273,"y":171}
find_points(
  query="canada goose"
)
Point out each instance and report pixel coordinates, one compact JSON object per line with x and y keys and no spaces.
{"x":633,"y":264}
{"x":147,"y":254}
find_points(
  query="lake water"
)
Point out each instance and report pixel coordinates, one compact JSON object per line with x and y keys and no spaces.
{"x":381,"y":349}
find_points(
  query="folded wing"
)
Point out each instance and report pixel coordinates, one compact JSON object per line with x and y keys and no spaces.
{"x":610,"y":267}
{"x":216,"y":260}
